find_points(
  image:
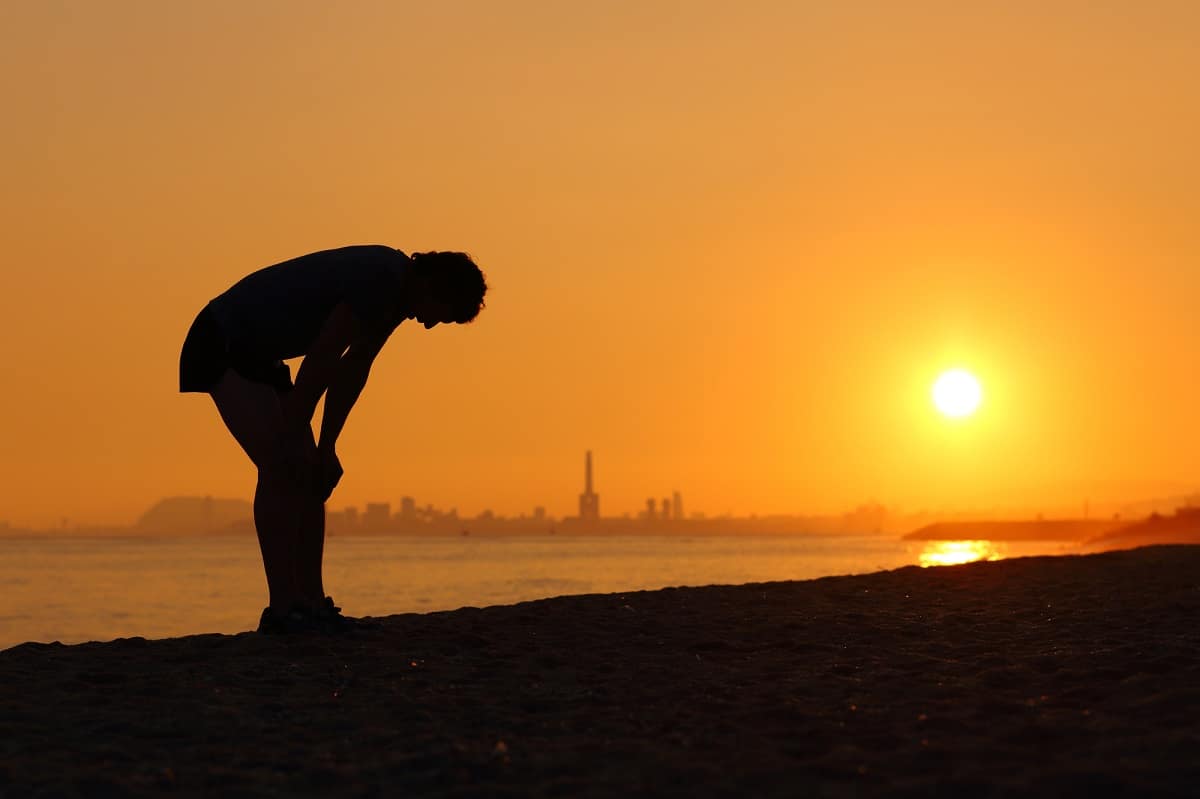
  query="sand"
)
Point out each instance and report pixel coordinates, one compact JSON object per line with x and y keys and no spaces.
{"x":1044,"y":676}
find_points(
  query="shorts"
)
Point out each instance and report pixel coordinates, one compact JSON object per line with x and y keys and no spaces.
{"x":206,"y":355}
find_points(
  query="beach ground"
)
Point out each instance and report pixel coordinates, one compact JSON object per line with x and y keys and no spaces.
{"x":1040,"y":676}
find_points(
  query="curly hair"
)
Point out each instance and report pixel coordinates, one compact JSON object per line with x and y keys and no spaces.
{"x":454,"y":280}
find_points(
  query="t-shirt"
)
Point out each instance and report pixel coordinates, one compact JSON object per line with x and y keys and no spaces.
{"x":277,"y":312}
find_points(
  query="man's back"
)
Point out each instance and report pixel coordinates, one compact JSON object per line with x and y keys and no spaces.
{"x":276,"y":312}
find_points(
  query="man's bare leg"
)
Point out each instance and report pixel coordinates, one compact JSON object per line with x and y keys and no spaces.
{"x":277,"y":520}
{"x":310,"y":548}
{"x":253,"y":415}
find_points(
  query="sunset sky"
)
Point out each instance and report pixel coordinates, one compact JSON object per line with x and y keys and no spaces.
{"x":730,"y":245}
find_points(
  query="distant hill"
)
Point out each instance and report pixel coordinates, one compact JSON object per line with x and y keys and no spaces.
{"x":1182,"y":527}
{"x":194,"y":516}
{"x":1031,"y":530}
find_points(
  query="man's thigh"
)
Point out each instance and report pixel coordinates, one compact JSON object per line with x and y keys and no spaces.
{"x":254,"y":415}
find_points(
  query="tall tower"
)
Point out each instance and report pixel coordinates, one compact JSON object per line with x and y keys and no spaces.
{"x":589,"y":500}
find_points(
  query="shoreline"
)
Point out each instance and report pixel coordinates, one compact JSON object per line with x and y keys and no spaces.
{"x":573,"y":533}
{"x":1040,"y":675}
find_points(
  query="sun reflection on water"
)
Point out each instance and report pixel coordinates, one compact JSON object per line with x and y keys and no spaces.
{"x":950,"y":553}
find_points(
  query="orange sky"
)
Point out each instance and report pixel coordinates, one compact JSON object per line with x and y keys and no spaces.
{"x":730,"y":245}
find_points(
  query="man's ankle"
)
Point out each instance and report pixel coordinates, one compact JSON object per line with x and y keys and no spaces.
{"x":283,"y":607}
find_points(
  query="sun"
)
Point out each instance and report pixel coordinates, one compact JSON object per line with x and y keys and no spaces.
{"x":957,"y":393}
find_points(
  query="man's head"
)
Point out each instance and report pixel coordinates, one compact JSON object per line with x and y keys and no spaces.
{"x":450,"y":288}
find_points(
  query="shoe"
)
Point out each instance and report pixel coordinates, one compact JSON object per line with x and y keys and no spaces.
{"x":329,"y":618}
{"x":294,"y":621}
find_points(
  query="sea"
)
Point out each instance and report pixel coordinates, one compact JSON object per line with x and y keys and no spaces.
{"x":81,"y":589}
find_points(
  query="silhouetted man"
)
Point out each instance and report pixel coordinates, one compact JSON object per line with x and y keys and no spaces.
{"x":336,"y":308}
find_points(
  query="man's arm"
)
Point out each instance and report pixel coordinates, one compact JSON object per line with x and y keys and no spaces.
{"x":349,"y":378}
{"x":320,"y":365}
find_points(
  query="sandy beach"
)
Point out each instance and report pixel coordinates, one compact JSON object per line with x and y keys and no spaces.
{"x":1044,"y":676}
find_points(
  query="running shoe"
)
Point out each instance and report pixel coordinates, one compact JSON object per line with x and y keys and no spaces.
{"x":294,"y":621}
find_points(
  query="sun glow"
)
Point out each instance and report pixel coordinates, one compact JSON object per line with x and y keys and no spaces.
{"x":957,"y":393}
{"x":952,"y":553}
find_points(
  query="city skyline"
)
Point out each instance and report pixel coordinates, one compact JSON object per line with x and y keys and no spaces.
{"x":194,"y":513}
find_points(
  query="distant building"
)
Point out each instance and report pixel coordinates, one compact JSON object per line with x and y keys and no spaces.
{"x":539,"y":513}
{"x":677,"y":507}
{"x":589,"y":500}
{"x":651,"y":510}
{"x":341,"y":522}
{"x":377,"y":517}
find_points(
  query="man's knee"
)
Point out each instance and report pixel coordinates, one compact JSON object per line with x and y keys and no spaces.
{"x":286,"y":476}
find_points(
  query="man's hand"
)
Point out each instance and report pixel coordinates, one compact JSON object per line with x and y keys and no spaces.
{"x":329,"y":473}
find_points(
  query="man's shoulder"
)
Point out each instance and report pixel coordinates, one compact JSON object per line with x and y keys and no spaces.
{"x":365,"y":253}
{"x":371,"y":251}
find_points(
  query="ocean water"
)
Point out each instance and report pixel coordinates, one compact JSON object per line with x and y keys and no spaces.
{"x":96,"y":589}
